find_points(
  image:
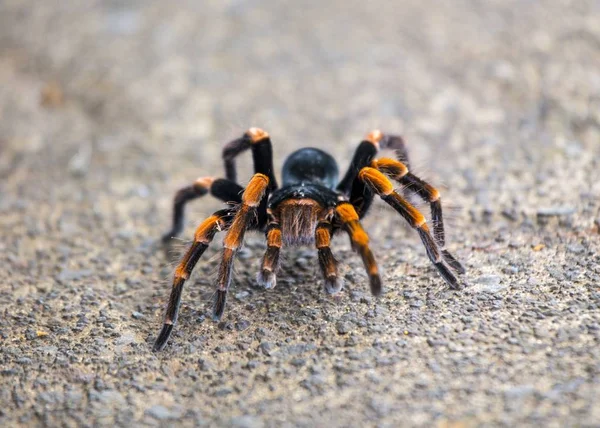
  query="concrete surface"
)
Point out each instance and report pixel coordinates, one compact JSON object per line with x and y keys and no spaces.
{"x":106,"y":108}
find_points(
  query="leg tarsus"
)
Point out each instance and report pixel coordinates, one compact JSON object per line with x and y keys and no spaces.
{"x":266,"y":278}
{"x":219,"y":304}
{"x":453,"y":263}
{"x":163,"y":337}
{"x":333,"y":283}
{"x":434,"y":255}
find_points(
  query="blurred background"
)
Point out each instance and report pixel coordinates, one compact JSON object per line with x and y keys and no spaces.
{"x":108,"y":107}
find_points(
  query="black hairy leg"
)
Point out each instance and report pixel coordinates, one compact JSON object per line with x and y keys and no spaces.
{"x":382,"y":186}
{"x":267,"y":275}
{"x":245,"y":217}
{"x":220,"y":220}
{"x":361,"y":195}
{"x":327,"y":262}
{"x":223,"y":189}
{"x":348,"y":217}
{"x":262,"y":154}
{"x":399,"y":172}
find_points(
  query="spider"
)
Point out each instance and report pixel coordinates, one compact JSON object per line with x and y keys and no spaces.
{"x":309,"y":208}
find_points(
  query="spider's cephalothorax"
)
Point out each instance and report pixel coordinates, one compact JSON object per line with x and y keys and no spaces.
{"x":309,"y":208}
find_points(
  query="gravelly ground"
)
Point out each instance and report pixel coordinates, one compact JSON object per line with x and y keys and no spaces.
{"x":106,"y":109}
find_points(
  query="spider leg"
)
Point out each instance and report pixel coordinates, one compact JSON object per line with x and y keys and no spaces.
{"x":361,"y":195}
{"x":230,"y":152}
{"x":246,"y":216}
{"x":348,"y":216}
{"x":222,"y":189}
{"x":399,"y":172}
{"x":381,"y":185}
{"x":364,"y":154}
{"x":327,"y":262}
{"x":262,"y":153}
{"x":205,"y":233}
{"x":397,"y":144}
{"x":267,"y":276}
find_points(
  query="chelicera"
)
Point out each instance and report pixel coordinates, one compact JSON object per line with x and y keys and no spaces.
{"x":308,"y":209}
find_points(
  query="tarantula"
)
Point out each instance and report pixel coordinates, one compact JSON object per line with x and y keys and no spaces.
{"x":309,"y":208}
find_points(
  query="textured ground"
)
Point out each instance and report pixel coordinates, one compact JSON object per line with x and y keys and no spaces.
{"x":106,"y":109}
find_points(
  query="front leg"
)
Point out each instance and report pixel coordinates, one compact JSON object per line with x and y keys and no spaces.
{"x":361,"y":195}
{"x":383,"y":187}
{"x":267,"y":276}
{"x":245,"y":217}
{"x":262,"y":154}
{"x":399,"y":172}
{"x":205,"y":233}
{"x":347,"y":216}
{"x":327,"y":262}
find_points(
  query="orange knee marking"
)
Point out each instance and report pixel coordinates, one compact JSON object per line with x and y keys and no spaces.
{"x":206,"y":228}
{"x":234,"y":236}
{"x":274,"y":238}
{"x":394,"y":168}
{"x":178,"y":282}
{"x":250,"y":199}
{"x":204,"y":182}
{"x":424,"y":227}
{"x":255,"y":190}
{"x":322,"y":238}
{"x":434,"y":195}
{"x":358,"y":235}
{"x":374,"y":137}
{"x":346,"y":212}
{"x":180,"y":272}
{"x":257,"y":134}
{"x":416,"y":216}
{"x":349,"y":217}
{"x":376,"y":180}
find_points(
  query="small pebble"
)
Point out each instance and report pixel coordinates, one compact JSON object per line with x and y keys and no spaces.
{"x":343,"y":327}
{"x":242,"y":325}
{"x":488,"y":284}
{"x":556,"y":211}
{"x":575,"y":248}
{"x":161,"y":413}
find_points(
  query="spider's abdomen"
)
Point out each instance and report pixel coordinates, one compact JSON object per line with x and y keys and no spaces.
{"x":310,"y":165}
